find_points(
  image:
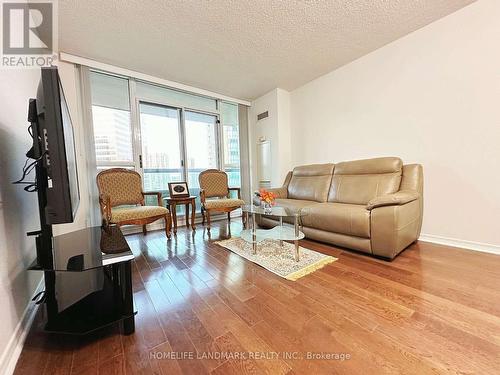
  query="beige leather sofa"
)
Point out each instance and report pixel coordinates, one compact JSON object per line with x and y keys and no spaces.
{"x":374,"y":205}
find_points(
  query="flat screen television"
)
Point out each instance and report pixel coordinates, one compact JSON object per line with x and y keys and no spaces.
{"x":55,"y":131}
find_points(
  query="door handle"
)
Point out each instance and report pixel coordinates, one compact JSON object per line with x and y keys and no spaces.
{"x":140,"y":161}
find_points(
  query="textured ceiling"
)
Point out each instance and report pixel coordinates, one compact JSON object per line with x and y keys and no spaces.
{"x":235,"y":47}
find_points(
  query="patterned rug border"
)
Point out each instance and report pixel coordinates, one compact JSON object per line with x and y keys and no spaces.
{"x":293,"y":276}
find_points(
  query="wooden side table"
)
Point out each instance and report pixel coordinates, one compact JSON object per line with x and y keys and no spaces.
{"x":172,"y":207}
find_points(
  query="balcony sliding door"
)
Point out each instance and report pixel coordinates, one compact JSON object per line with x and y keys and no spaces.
{"x":176,"y":145}
{"x":161,"y":157}
{"x":201,"y":148}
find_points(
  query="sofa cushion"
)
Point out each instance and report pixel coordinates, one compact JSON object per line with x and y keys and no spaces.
{"x":342,"y":218}
{"x":311,"y":182}
{"x":357,"y":182}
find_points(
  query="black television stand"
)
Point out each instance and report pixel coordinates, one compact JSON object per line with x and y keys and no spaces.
{"x":89,"y":285}
{"x":88,"y":273}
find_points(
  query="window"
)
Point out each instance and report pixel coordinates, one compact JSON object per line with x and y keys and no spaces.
{"x":174,"y":136}
{"x":111,"y":120}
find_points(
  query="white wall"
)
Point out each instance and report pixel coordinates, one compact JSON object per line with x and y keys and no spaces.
{"x":432,"y":97}
{"x":18,"y":209}
{"x":276,"y":129}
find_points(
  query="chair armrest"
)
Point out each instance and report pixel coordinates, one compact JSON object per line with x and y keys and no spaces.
{"x":202,"y":196}
{"x":281,"y":192}
{"x":158,"y":195}
{"x":236,"y":189}
{"x":395,"y":199}
{"x":105,"y":205}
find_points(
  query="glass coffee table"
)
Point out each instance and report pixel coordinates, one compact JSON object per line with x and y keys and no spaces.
{"x":279,"y":233}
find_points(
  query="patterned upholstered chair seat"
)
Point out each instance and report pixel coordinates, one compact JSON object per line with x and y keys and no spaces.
{"x":121,"y":200}
{"x":215,"y":194}
{"x":224,"y":202}
{"x":136,"y":212}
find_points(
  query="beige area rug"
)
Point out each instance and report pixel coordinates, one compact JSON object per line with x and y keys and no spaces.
{"x":279,"y":260}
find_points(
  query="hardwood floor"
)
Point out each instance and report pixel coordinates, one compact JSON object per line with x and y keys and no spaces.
{"x":434,"y":309}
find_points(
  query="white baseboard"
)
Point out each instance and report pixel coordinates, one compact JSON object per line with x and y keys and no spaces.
{"x":11,"y":354}
{"x":454,"y":242}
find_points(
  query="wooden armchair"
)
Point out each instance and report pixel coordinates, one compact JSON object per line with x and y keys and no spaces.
{"x":122,"y":200}
{"x":214,"y":184}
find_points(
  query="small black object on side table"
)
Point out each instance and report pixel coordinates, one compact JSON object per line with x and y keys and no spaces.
{"x":89,"y":284}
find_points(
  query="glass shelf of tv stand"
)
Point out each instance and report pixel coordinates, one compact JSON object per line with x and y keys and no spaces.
{"x":98,"y":260}
{"x":86,"y":249}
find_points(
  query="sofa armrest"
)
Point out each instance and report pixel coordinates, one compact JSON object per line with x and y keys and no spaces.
{"x":281,"y":192}
{"x":395,"y":199}
{"x":394,"y":227}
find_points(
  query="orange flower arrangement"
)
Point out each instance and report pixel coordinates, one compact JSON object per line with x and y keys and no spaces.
{"x":267,"y":196}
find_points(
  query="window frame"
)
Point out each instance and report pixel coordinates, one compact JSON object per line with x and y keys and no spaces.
{"x":134,"y":103}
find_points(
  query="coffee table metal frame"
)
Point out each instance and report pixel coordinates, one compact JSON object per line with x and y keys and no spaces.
{"x":280,"y":232}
